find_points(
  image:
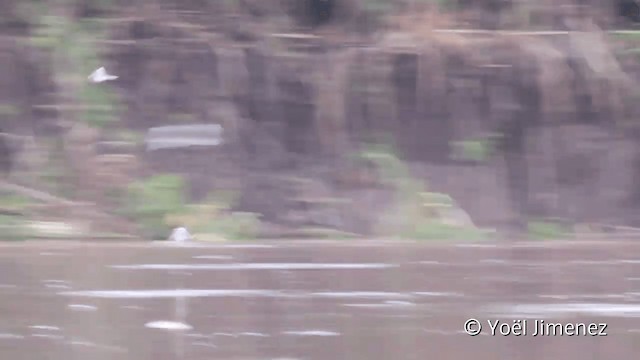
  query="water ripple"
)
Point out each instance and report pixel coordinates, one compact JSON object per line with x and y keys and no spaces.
{"x":45,"y":327}
{"x":542,"y":310}
{"x":168,"y":325}
{"x":213,"y":257}
{"x":82,"y":307}
{"x":254,"y":266}
{"x":151,"y":294}
{"x":312,"y":333}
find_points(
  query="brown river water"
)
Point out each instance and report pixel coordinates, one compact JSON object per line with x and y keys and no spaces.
{"x":316,"y":300}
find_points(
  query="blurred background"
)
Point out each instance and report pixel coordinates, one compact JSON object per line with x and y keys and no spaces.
{"x":361,"y":176}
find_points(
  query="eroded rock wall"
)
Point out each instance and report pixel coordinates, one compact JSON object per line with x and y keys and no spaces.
{"x":299,"y":106}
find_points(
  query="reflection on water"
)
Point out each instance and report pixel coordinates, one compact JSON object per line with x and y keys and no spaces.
{"x":386,"y":304}
{"x":572,"y":309}
{"x":197,"y":293}
{"x":202,"y":343}
{"x":316,"y":300}
{"x":89,"y":344}
{"x":168,"y":325}
{"x":82,"y":307}
{"x":207,"y":245}
{"x":588,"y":296}
{"x":57,"y":286}
{"x":311,"y":333}
{"x":361,"y":294}
{"x":151,"y":294}
{"x":234,"y":267}
{"x":45,"y":327}
{"x":213,"y":257}
{"x":49,"y":336}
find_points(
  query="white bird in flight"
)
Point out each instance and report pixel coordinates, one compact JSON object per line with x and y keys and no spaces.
{"x":101,"y":75}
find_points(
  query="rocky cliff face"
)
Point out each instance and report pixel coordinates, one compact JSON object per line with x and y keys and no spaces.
{"x":557,"y":110}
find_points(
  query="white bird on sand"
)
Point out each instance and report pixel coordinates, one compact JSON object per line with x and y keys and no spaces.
{"x":180,"y":235}
{"x":100,"y":75}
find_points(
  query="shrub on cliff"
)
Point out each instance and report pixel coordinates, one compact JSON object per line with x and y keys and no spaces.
{"x":417,"y":214}
{"x":151,"y":200}
{"x":214,"y":219}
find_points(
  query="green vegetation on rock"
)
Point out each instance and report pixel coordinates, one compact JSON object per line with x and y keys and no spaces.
{"x":150,"y":201}
{"x":416,"y":213}
{"x":158,"y":205}
{"x":215,"y":219}
{"x":13,"y":229}
{"x":547,"y":230}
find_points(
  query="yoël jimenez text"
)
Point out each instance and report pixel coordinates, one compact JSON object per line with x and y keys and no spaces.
{"x":543,"y":328}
